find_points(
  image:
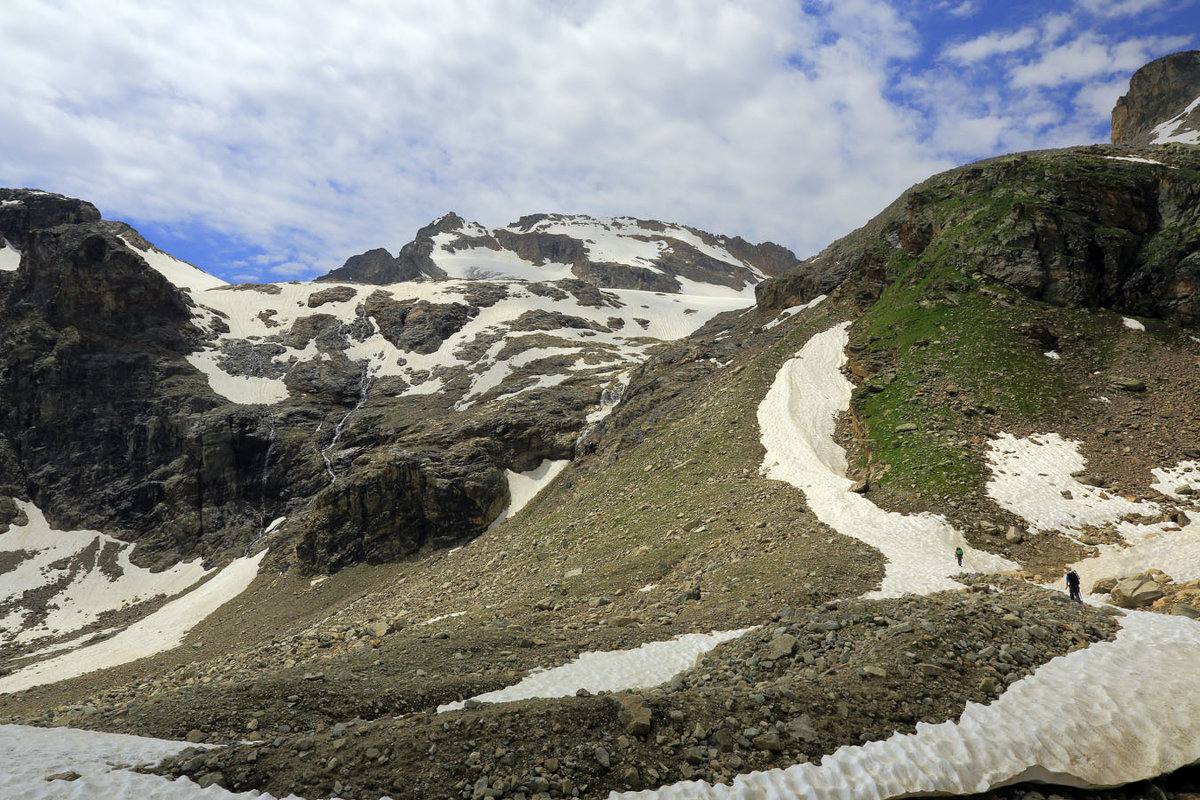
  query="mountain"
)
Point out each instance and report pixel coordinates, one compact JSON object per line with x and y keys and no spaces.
{"x":534,"y":531}
{"x":620,"y":253}
{"x":1162,"y":105}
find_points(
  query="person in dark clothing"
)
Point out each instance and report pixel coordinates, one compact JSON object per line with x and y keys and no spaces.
{"x":958,"y":555}
{"x":1073,"y":586}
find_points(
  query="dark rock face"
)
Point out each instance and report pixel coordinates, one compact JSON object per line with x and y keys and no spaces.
{"x":1158,"y":92}
{"x":1077,"y":227}
{"x":104,"y":423}
{"x":393,"y":508}
{"x":419,"y":326}
{"x":25,"y":210}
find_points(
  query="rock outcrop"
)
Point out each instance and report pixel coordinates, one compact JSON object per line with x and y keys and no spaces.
{"x":1095,"y":227}
{"x":1165,"y":90}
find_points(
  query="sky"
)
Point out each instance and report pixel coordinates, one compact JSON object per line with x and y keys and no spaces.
{"x":270,"y":140}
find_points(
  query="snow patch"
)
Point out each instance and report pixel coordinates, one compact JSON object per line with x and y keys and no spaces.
{"x":237,"y":388}
{"x":99,"y":575}
{"x":180,"y":273}
{"x":790,"y":312}
{"x":10,"y":256}
{"x":524,"y":486}
{"x":613,"y":671}
{"x":797,"y":420}
{"x":1135,"y":160}
{"x":1171,"y":480}
{"x":1031,"y":475}
{"x":1172,"y":129}
{"x":156,"y":633}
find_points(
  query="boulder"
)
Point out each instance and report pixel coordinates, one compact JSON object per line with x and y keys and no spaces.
{"x":781,"y":647}
{"x":633,"y":714}
{"x":1135,"y":592}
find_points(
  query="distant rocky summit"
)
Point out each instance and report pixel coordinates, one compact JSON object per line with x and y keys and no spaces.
{"x":1163,"y":103}
{"x":610,"y":253}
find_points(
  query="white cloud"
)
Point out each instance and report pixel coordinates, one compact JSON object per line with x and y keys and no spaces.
{"x":1122,"y":8}
{"x":322,"y":130}
{"x":967,"y":8}
{"x":1090,"y":56}
{"x":991,"y":44}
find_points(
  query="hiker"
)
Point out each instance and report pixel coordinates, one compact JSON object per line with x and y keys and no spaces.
{"x":1073,"y":586}
{"x":958,"y":554}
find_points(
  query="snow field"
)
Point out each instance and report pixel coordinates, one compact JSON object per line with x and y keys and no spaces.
{"x":623,"y":241}
{"x":244,"y":312}
{"x":797,"y":419}
{"x":1102,"y":716}
{"x":614,"y":671}
{"x":1169,"y":481}
{"x":104,"y":763}
{"x":89,"y":591}
{"x":160,"y":631}
{"x":179,"y":273}
{"x":1030,"y":476}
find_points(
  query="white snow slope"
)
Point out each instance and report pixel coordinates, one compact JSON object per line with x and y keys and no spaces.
{"x":612,"y":671}
{"x":160,"y":631}
{"x":1173,"y":130}
{"x":632,"y":322}
{"x":103,"y":761}
{"x":1102,"y":716}
{"x":90,"y":572}
{"x":797,"y":419}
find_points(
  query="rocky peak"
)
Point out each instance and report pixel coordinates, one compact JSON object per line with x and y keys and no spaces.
{"x":23,"y":211}
{"x":1161,"y":105}
{"x":609,"y":253}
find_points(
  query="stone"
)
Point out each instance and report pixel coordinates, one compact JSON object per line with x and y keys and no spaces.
{"x":602,"y":757}
{"x":195,"y":736}
{"x":1103,"y":585}
{"x":1129,"y":384}
{"x":768,"y":741}
{"x":1135,"y":592}
{"x":781,"y":647}
{"x":69,"y":775}
{"x":1158,"y":92}
{"x":379,"y":629}
{"x":1013,"y":535}
{"x":906,"y":427}
{"x":633,"y":714}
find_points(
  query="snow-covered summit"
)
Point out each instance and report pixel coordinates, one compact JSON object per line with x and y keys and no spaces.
{"x":607,"y":252}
